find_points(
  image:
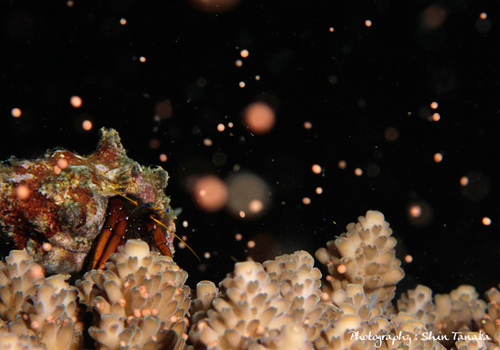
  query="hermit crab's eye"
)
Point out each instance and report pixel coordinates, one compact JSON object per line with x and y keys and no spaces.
{"x":167,"y":210}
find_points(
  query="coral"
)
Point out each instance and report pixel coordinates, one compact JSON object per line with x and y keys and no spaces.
{"x":272,"y":306}
{"x":474,"y":341}
{"x":140,"y":301}
{"x":364,"y":255}
{"x":419,"y":303}
{"x":55,"y":206}
{"x":491,"y":320}
{"x":38,"y":312}
{"x":461,"y":309}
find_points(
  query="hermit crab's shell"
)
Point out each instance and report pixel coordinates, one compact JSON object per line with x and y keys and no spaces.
{"x":55,"y":206}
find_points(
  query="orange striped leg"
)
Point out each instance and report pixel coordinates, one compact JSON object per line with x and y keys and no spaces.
{"x":114,"y":242}
{"x":109,"y":227}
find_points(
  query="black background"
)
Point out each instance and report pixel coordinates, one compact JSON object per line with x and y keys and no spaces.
{"x":352,"y":83}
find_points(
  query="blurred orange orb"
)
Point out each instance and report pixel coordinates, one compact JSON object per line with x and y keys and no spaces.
{"x":16,"y":112}
{"x":259,"y":118}
{"x":87,"y":125}
{"x":76,"y":101}
{"x":210,"y":193}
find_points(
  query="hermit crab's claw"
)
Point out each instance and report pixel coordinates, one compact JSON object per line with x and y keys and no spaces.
{"x":173,"y":234}
{"x":159,"y":238}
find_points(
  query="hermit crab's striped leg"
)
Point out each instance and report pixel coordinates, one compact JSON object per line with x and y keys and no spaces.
{"x":118,"y":235}
{"x":116,"y":216}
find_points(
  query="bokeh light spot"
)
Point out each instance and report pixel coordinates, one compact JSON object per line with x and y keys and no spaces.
{"x":163,"y":157}
{"x":16,"y":112}
{"x":419,"y":213}
{"x":438,"y":157}
{"x":56,"y":170}
{"x":62,"y":163}
{"x":259,"y":118}
{"x":358,"y":172}
{"x":46,"y":247}
{"x":408,"y":258}
{"x":219,"y":158}
{"x":123,"y":21}
{"x":316,"y":168}
{"x":308,"y":125}
{"x":22,"y":192}
{"x":306,"y":200}
{"x":433,"y":16}
{"x":210,"y":193}
{"x":154,"y":143}
{"x":244,"y":53}
{"x":76,"y":101}
{"x":221,"y":127}
{"x":247,"y":193}
{"x":434,"y":105}
{"x":255,"y":206}
{"x":163,"y":110}
{"x":368,"y":23}
{"x":415,"y":211}
{"x":391,"y":134}
{"x":342,"y":164}
{"x":478,"y":186}
{"x":464,"y":181}
{"x":486,"y":221}
{"x":87,"y":125}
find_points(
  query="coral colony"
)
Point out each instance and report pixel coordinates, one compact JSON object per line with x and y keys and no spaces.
{"x":139,"y":300}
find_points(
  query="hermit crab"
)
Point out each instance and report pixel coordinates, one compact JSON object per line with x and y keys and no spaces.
{"x":68,"y":211}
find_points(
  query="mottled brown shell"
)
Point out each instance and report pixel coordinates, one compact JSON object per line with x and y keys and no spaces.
{"x":55,"y":206}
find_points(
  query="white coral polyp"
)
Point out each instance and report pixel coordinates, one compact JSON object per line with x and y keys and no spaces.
{"x":136,"y":249}
{"x":373,"y":218}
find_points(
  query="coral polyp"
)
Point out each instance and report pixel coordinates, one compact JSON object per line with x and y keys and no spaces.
{"x":57,"y":205}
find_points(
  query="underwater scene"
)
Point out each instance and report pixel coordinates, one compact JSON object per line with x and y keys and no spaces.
{"x":235,"y":174}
